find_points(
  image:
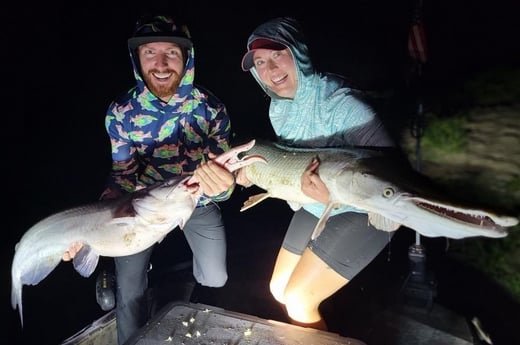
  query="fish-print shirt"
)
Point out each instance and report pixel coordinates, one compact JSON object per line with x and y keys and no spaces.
{"x":325,"y":111}
{"x":152,"y":140}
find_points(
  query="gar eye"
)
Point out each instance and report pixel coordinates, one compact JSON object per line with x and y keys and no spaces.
{"x":388,"y":192}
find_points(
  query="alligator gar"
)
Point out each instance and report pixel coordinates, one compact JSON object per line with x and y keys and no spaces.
{"x":377,"y":181}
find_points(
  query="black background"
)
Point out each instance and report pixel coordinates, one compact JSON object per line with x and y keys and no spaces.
{"x":63,"y":62}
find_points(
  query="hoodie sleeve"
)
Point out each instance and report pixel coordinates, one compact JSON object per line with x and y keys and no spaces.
{"x":123,"y":175}
{"x":361,"y":126}
{"x":218,"y":135}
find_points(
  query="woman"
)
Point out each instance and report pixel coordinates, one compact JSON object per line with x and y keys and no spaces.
{"x":313,"y":109}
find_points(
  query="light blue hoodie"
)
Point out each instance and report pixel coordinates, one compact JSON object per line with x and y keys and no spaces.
{"x":325,"y":112}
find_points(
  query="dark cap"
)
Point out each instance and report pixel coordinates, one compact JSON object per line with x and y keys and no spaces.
{"x":160,"y":29}
{"x":259,"y":43}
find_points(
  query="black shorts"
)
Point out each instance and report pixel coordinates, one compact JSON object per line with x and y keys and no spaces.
{"x":347,"y":244}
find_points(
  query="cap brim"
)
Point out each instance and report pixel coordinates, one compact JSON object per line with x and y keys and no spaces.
{"x":135,"y":42}
{"x":247,"y":60}
{"x":259,"y":43}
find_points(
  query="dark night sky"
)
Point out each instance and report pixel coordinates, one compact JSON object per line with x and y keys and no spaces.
{"x":68,"y":60}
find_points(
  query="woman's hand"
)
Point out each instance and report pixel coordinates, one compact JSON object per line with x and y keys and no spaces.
{"x":241,"y":178}
{"x":312,"y":185}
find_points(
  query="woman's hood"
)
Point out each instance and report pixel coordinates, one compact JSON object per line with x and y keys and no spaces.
{"x":286,"y":31}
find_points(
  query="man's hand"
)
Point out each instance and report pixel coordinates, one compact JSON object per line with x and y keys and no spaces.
{"x":312,"y":185}
{"x":213,"y":178}
{"x":72,"y":251}
{"x":110,"y":194}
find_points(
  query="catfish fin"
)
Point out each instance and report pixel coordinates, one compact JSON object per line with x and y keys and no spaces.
{"x":323,"y":220}
{"x":122,"y":221}
{"x":382,"y":223}
{"x":41,"y":269}
{"x":162,"y":238}
{"x":253,"y":200}
{"x":85,"y":261}
{"x":295,"y":206}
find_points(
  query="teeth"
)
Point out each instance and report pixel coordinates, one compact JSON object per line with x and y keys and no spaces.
{"x":277,"y":81}
{"x":162,"y":75}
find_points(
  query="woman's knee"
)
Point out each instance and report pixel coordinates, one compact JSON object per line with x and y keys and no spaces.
{"x":298,"y":308}
{"x":277,"y":289}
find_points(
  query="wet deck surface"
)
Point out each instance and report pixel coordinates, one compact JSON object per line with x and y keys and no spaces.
{"x":373,"y":307}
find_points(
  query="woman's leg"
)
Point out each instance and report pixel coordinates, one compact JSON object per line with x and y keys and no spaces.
{"x":346,"y":246}
{"x":311,"y":282}
{"x":295,"y":241}
{"x":283,"y":268}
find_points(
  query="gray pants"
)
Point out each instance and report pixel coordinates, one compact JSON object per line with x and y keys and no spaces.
{"x":206,"y":236}
{"x":347,"y":244}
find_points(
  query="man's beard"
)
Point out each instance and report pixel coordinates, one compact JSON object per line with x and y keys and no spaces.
{"x":162,"y":90}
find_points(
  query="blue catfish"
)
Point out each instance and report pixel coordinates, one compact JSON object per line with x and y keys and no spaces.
{"x":119,"y":227}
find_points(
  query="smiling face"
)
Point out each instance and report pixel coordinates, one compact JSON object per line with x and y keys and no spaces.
{"x":277,"y":71}
{"x":162,"y":65}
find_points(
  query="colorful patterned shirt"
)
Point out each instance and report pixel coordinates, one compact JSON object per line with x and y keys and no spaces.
{"x":152,"y":140}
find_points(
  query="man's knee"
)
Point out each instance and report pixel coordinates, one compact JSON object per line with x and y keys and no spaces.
{"x":213,"y":280}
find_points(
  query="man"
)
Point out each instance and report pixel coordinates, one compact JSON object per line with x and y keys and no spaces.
{"x":163,"y":127}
